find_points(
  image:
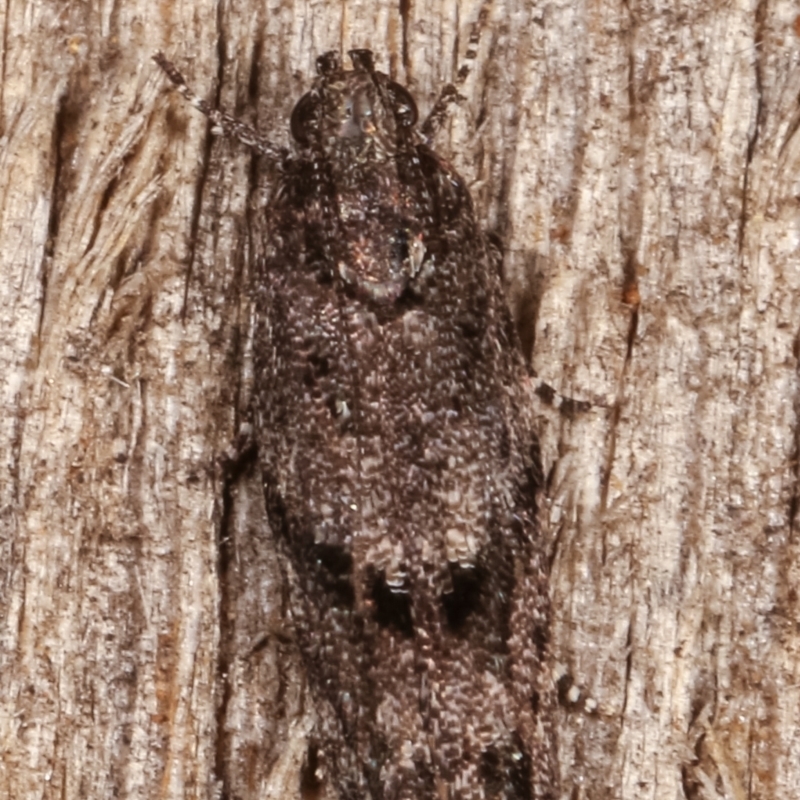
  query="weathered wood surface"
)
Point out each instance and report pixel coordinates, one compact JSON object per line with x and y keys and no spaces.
{"x":623,"y":152}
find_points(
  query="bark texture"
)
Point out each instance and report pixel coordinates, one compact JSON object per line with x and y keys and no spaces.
{"x":639,"y":162}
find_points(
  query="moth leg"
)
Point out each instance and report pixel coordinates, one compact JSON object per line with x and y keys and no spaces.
{"x":568,"y":406}
{"x":222,"y":122}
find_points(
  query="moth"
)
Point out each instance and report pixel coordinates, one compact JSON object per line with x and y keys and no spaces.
{"x":399,"y":463}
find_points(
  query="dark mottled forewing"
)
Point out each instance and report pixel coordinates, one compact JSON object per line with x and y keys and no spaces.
{"x":399,"y":463}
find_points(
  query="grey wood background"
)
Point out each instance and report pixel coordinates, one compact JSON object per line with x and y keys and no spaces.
{"x":639,"y":161}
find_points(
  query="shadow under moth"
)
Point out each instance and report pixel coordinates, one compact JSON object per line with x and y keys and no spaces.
{"x":399,"y":465}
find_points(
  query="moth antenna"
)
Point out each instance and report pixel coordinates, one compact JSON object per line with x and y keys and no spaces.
{"x":221,"y":122}
{"x":450,"y":91}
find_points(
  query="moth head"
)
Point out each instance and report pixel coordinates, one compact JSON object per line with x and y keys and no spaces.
{"x":358,"y":111}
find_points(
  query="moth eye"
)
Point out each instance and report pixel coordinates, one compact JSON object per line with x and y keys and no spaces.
{"x":303,"y":118}
{"x":405,"y":109}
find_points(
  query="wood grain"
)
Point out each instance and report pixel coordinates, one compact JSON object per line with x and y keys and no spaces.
{"x":638,"y":162}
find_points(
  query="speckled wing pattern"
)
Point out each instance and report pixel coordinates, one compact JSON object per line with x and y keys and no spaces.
{"x":400,"y":468}
{"x":398,"y":459}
